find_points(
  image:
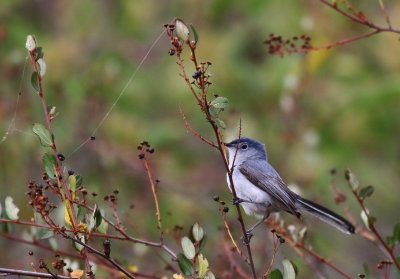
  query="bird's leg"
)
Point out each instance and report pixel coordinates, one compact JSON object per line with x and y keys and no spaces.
{"x":249,"y":232}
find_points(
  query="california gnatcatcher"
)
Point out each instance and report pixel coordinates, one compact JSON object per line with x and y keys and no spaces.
{"x":261,"y":191}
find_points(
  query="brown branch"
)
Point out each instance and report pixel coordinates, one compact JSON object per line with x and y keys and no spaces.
{"x":371,"y":225}
{"x":228,"y":230}
{"x":194,"y":133}
{"x":154,"y":191}
{"x":97,"y":252}
{"x":19,"y":272}
{"x":360,"y":20}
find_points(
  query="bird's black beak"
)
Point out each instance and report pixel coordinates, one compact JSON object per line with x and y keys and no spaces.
{"x":227,"y":144}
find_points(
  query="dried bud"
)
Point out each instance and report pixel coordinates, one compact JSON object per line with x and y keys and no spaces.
{"x":30,"y":43}
{"x":182,"y":31}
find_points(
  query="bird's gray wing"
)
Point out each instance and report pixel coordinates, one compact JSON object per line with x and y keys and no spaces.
{"x":270,"y":183}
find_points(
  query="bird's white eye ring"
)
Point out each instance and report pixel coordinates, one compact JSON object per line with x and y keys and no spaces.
{"x":244,"y":146}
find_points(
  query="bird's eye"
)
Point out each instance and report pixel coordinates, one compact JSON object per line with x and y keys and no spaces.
{"x":244,"y":146}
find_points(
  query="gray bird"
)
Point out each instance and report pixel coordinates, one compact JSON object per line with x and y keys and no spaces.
{"x":261,"y":191}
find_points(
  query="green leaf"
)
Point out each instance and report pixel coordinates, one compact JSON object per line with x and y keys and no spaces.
{"x":185,"y":265}
{"x":195,"y":34}
{"x":395,"y":238}
{"x":275,"y":274}
{"x":197,"y":232}
{"x":366,"y":191}
{"x":50,"y":163}
{"x":44,"y":233}
{"x":188,"y":248}
{"x":214,"y":112}
{"x":220,"y":123}
{"x":39,"y":53}
{"x":352,"y":179}
{"x":97,"y":215}
{"x":43,"y":134}
{"x":396,"y":232}
{"x":11,"y":209}
{"x":34,"y":81}
{"x":76,"y":245}
{"x":219,"y":102}
{"x":288,"y":270}
{"x":102,"y":228}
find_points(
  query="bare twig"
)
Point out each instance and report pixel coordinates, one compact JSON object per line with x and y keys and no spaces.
{"x":194,"y":133}
{"x":154,"y":191}
{"x":97,"y":252}
{"x":9,"y":271}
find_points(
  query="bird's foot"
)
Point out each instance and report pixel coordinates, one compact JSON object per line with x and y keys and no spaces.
{"x":236,"y":201}
{"x":246,"y":239}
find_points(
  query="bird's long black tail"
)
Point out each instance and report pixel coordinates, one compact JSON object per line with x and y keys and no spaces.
{"x":326,"y":215}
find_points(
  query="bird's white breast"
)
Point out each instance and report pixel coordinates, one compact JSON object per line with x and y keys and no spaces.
{"x":247,"y":191}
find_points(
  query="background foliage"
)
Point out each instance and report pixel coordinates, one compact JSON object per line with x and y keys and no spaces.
{"x":324,"y":110}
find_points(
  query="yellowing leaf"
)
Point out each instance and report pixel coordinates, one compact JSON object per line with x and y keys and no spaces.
{"x":203,"y":265}
{"x":76,"y":274}
{"x":133,"y":268}
{"x":67,"y":213}
{"x":178,"y":276}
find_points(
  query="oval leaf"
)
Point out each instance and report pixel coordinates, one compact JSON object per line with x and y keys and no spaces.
{"x":366,"y":191}
{"x":197,"y":232}
{"x":50,"y":163}
{"x":182,"y":31}
{"x":188,"y":248}
{"x":34,"y":81}
{"x":203,"y":265}
{"x":11,"y":209}
{"x":43,"y":134}
{"x":275,"y":274}
{"x":185,"y":265}
{"x":288,"y":270}
{"x":219,"y":102}
{"x":195,"y":34}
{"x":220,"y":123}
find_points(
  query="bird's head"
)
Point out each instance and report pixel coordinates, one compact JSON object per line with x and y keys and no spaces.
{"x":247,"y":148}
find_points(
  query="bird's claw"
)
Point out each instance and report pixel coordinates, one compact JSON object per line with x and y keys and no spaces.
{"x":246,"y":239}
{"x":236,"y":201}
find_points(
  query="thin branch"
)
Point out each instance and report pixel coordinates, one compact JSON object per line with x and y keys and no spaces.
{"x":373,"y":229}
{"x":358,"y":19}
{"x":19,"y":272}
{"x":97,"y":252}
{"x":154,"y":190}
{"x":194,"y":133}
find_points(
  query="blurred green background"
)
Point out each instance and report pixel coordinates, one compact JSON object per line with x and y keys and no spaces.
{"x":324,"y":110}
